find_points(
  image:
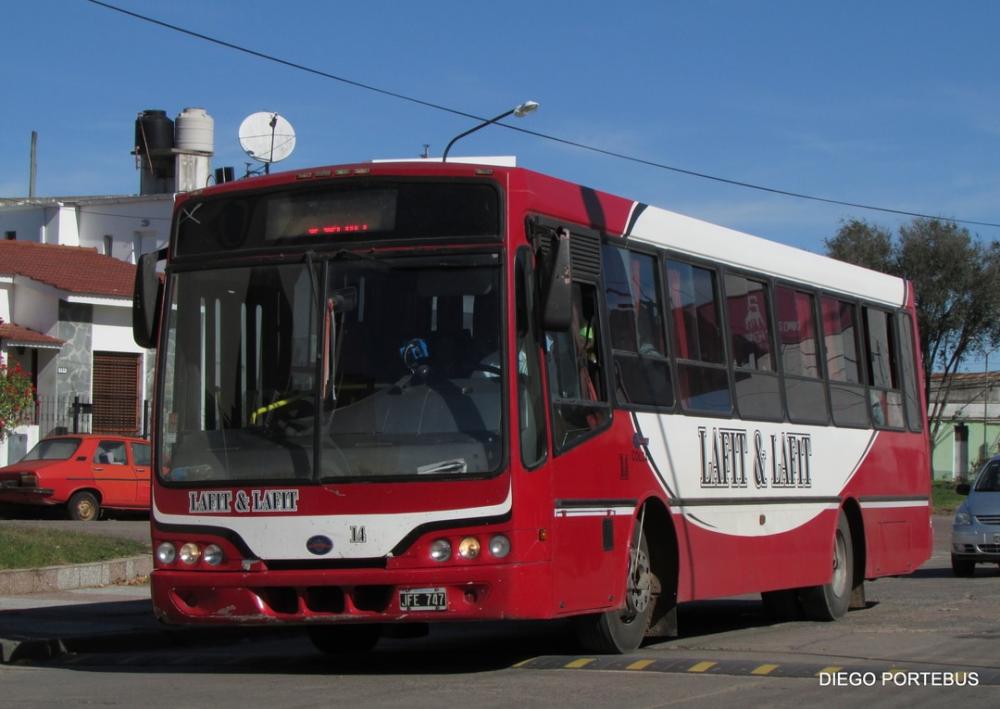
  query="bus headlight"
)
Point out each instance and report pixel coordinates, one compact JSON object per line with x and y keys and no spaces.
{"x":190,"y":553}
{"x":166,"y":553}
{"x":213,"y":555}
{"x":499,"y":546}
{"x":440,"y":550}
{"x":469,"y":548}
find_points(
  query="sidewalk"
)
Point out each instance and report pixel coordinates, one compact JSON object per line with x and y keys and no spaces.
{"x":73,"y":576}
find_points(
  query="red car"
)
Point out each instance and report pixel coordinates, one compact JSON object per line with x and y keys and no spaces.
{"x":85,"y":472}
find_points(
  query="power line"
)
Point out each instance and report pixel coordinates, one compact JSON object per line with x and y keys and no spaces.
{"x":536,"y":134}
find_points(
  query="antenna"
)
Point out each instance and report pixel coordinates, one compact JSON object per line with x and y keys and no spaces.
{"x":267,"y":138}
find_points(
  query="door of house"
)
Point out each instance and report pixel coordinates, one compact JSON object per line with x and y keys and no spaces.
{"x":116,"y":393}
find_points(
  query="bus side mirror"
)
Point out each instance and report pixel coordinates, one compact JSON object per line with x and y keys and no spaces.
{"x":963,"y":488}
{"x":557,"y":308}
{"x":147,"y":297}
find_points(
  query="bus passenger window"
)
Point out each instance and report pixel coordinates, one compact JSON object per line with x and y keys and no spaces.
{"x":848,"y":401}
{"x":635,"y":319}
{"x":758,"y":395}
{"x":909,"y":372}
{"x":576,"y":380}
{"x":702,"y":375}
{"x":886,"y":400}
{"x":804,"y":389}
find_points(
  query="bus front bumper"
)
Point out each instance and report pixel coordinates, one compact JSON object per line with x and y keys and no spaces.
{"x":484,"y":592}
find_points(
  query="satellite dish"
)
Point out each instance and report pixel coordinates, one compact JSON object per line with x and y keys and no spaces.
{"x":267,"y":137}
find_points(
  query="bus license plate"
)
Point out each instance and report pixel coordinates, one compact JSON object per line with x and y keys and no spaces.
{"x":423,"y":599}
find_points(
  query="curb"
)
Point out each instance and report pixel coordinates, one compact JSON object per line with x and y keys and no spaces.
{"x":15,"y":582}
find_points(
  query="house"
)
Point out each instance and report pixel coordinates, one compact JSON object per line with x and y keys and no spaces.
{"x":66,"y":314}
{"x":124,"y":227}
{"x":970,"y":424}
{"x":66,"y":272}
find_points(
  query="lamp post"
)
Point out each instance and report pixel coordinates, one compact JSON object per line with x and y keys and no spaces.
{"x":519,"y":111}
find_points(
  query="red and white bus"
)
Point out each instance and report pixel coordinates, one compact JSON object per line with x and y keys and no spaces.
{"x":421,"y":392}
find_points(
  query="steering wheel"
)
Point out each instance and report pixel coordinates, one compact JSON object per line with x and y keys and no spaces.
{"x":414,"y":353}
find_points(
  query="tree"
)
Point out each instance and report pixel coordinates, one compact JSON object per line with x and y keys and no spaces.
{"x":954,"y":277}
{"x":864,"y":244}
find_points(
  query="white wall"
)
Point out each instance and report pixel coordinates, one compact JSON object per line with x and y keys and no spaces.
{"x":26,"y":221}
{"x":130,"y":221}
{"x":6,"y":298}
{"x":112,"y":330}
{"x":63,"y":227}
{"x":142,"y":219}
{"x":35,"y":305}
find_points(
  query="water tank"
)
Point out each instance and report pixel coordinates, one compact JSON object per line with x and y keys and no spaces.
{"x":153,"y":132}
{"x":194,"y":131}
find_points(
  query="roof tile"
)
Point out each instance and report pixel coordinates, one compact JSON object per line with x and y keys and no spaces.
{"x":70,"y":268}
{"x":19,"y":335}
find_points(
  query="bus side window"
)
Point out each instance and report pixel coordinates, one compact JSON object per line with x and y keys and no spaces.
{"x":797,"y":338}
{"x":702,"y":374}
{"x":848,"y":400}
{"x":758,"y":395}
{"x":886,"y":399}
{"x":576,"y":378}
{"x":635,"y":323}
{"x":909,"y":370}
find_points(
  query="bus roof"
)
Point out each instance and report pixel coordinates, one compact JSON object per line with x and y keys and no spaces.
{"x":744,"y":251}
{"x":635,"y":221}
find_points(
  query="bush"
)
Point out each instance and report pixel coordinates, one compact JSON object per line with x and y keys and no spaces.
{"x":16,"y":397}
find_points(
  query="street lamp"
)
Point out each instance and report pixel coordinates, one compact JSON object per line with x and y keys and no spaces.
{"x":520,"y":110}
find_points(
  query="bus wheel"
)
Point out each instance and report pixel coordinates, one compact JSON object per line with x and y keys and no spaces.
{"x":83,"y":506}
{"x":341,"y":639}
{"x":831,"y":600}
{"x":622,"y":630}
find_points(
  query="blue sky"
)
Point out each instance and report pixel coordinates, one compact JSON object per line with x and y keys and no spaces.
{"x":889,"y":103}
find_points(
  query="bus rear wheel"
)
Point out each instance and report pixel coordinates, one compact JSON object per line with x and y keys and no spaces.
{"x":831,"y":600}
{"x":343,"y":639}
{"x":621,"y":630}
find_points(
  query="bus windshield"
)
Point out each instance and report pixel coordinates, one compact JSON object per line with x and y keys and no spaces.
{"x":333,"y":368}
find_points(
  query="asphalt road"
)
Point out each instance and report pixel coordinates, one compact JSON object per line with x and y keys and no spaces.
{"x":934,"y":626}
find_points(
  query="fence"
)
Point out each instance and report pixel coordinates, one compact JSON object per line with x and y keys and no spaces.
{"x":55,"y":415}
{"x":61,"y":414}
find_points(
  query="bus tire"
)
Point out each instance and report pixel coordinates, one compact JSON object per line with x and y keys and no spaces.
{"x":83,"y":506}
{"x":831,"y":600}
{"x":343,"y":639}
{"x":621,"y":630}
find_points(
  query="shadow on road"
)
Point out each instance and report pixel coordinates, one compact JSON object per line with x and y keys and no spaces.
{"x":123,"y":636}
{"x":58,"y":512}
